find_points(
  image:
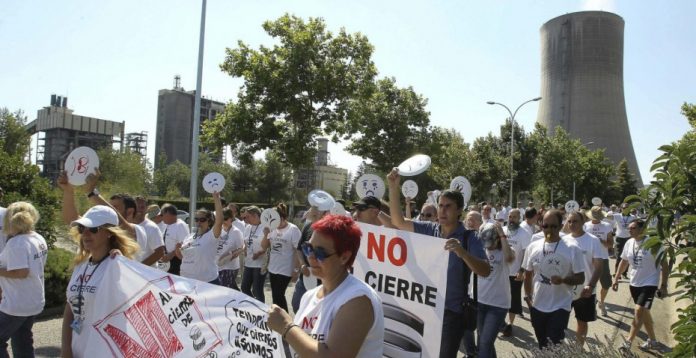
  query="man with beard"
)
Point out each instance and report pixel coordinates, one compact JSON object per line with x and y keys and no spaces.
{"x":518,"y":239}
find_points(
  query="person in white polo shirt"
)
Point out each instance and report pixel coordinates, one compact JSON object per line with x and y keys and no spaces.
{"x":198,"y":252}
{"x":604,"y":232}
{"x":230,"y":246}
{"x":174,"y":234}
{"x":645,"y":277}
{"x":550,"y":297}
{"x":621,"y":221}
{"x":21,"y":279}
{"x":518,"y":239}
{"x":593,"y":256}
{"x":154,"y":244}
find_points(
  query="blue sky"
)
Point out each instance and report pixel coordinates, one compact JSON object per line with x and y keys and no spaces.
{"x":111,"y":57}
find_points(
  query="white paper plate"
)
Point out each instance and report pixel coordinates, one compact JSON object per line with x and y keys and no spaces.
{"x":415,"y":165}
{"x":79,"y":164}
{"x":596,"y":201}
{"x":409,"y":189}
{"x":321,"y":199}
{"x":572,"y":206}
{"x":270,"y":218}
{"x":370,"y":185}
{"x":213,"y":182}
{"x":338,"y":209}
{"x":462,"y":185}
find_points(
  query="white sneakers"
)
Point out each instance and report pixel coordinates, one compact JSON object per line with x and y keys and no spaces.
{"x":602,"y":309}
{"x":649,"y":344}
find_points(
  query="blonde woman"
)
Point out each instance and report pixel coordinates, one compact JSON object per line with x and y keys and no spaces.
{"x":98,"y":236}
{"x":22,"y":264}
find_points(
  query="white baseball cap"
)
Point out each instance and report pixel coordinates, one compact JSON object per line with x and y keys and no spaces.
{"x":96,"y":216}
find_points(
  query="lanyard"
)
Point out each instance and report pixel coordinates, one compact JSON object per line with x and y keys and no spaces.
{"x":550,"y":252}
{"x":80,"y":297}
{"x":250,"y":241}
{"x":636,"y":248}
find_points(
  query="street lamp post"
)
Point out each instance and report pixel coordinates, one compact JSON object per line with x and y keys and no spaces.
{"x":512,"y":136}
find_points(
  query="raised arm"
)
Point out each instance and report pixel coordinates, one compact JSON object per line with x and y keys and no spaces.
{"x":397,"y":217}
{"x":217,"y":226}
{"x":68,"y":210}
{"x":97,"y":199}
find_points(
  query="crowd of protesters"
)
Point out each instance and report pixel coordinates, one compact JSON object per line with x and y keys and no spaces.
{"x":495,"y":256}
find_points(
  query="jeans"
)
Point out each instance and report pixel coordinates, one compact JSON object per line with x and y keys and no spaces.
{"x":490,"y":318}
{"x":297,"y":295}
{"x":18,"y":330}
{"x":549,"y":326}
{"x":279,"y":283}
{"x":452,"y":333}
{"x":252,"y":283}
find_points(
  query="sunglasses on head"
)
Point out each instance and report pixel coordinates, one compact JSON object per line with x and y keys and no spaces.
{"x":549,"y":226}
{"x":200,"y":220}
{"x":319,"y":252}
{"x":81,"y":229}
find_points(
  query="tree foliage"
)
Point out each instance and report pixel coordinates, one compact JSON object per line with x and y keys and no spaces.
{"x":20,"y":180}
{"x":294,"y":91}
{"x":625,"y":182}
{"x":124,"y":172}
{"x":670,"y":201}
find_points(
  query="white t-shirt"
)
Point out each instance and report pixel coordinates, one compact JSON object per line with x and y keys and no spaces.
{"x":229,"y":241}
{"x":239,"y":224}
{"x":601,"y":230}
{"x":283,"y":245}
{"x":141,"y":239}
{"x":531,"y":229}
{"x":253,"y":234}
{"x":537,"y":236}
{"x":643,"y":271}
{"x":518,"y":243}
{"x":200,"y":257}
{"x":502,"y":214}
{"x":3,"y":237}
{"x":591,"y":249}
{"x":24,"y":296}
{"x":316,"y":315}
{"x":547,"y":296}
{"x":86,"y":277}
{"x":162,"y":226}
{"x":175,"y":233}
{"x":621,"y":222}
{"x":153,"y":237}
{"x":494,"y":290}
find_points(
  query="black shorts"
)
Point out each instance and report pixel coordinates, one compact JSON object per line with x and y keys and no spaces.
{"x":516,"y":296}
{"x":585,"y":309}
{"x":619,"y":244}
{"x":643,"y":296}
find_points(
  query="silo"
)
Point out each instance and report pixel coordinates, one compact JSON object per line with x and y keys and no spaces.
{"x":582,"y":82}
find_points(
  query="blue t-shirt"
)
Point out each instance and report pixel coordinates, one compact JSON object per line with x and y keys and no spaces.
{"x":458,"y":272}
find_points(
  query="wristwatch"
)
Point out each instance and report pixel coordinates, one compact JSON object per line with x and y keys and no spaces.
{"x":92,"y":193}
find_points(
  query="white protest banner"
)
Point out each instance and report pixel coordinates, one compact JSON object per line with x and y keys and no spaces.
{"x":143,"y":312}
{"x":409,"y":272}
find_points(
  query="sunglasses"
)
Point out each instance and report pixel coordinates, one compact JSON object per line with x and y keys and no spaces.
{"x":81,"y":229}
{"x":200,"y":220}
{"x":549,"y":226}
{"x":318,"y":252}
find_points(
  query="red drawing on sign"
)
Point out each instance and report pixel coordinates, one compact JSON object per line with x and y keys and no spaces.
{"x":81,"y":165}
{"x":153,"y":328}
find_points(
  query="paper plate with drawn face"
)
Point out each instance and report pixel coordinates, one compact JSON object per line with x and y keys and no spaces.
{"x":462,"y":185}
{"x":338,"y":209}
{"x":270,"y":218}
{"x":80,"y":163}
{"x":321,"y":199}
{"x":409,"y":189}
{"x":370,"y":185}
{"x":415,"y":165}
{"x":572,"y":206}
{"x":213,"y":182}
{"x":596,"y":201}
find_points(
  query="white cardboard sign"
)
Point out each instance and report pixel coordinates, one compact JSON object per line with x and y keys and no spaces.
{"x":80,"y":163}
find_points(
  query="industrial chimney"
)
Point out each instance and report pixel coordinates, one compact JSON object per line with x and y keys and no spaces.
{"x":582,"y":82}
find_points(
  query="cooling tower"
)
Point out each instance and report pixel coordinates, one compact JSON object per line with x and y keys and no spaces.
{"x":582,"y":82}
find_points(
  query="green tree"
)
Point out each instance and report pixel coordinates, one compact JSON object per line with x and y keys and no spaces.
{"x":393,"y":124}
{"x":670,"y":201}
{"x":14,"y":139}
{"x":625,"y":182}
{"x":489,"y":167}
{"x":274,"y":179}
{"x":293,"y":92}
{"x":456,"y":158}
{"x":124,"y":172}
{"x":172,"y":181}
{"x":20,"y":180}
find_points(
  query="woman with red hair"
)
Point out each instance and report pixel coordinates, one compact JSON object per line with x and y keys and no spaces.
{"x":343,"y":316}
